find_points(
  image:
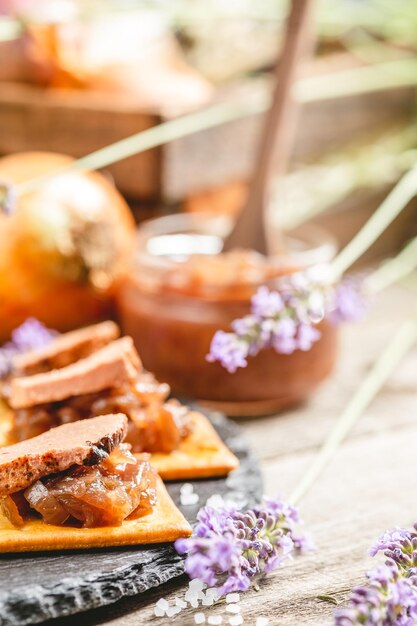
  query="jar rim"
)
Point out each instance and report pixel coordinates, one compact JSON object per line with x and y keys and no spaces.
{"x":308,"y":244}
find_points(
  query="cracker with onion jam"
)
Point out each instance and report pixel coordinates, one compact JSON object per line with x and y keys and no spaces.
{"x":165,"y":524}
{"x":111,"y":379}
{"x":84,"y":474}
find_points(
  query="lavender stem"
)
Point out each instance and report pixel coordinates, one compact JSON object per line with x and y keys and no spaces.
{"x":401,"y":343}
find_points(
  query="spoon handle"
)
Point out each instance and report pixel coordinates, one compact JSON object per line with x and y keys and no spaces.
{"x":277,"y":136}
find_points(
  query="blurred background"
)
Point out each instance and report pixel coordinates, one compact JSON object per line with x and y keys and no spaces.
{"x":77,"y":75}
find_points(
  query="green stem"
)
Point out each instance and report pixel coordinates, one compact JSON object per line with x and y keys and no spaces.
{"x":375,"y":77}
{"x":390,"y":208}
{"x":401,"y":343}
{"x":393,"y":270}
{"x":307,"y":90}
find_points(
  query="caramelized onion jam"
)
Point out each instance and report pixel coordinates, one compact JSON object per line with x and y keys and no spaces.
{"x":155,"y":425}
{"x":120,"y":487}
{"x":231,"y":274}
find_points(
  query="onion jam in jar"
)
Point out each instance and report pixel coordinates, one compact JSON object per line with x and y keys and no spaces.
{"x":182,"y":289}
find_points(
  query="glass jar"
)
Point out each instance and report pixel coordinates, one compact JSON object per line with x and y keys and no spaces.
{"x":172,"y":321}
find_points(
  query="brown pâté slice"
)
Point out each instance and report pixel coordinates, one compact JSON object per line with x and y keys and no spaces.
{"x":86,"y":442}
{"x":110,"y":366}
{"x":65,"y":349}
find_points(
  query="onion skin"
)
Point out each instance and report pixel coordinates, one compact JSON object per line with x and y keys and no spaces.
{"x":37,"y":278}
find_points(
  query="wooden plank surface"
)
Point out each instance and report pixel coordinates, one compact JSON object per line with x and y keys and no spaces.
{"x":369,"y":487}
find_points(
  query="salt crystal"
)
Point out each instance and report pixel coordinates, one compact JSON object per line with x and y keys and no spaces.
{"x":186,"y":488}
{"x":232,"y":597}
{"x":208,"y":600}
{"x":215,"y":501}
{"x":180,"y":603}
{"x":262,"y":621}
{"x":215,"y":620}
{"x":173,"y":610}
{"x":190,"y":597}
{"x":233,"y":608}
{"x":195,"y":587}
{"x":199,"y":618}
{"x":188,"y":499}
{"x":196,"y":584}
{"x":162,"y":604}
{"x":194,"y":592}
{"x":236,"y":620}
{"x":237,"y":500}
{"x":158,"y":612}
{"x":212,"y":592}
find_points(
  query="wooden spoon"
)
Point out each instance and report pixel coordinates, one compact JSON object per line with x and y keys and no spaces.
{"x":277,"y":137}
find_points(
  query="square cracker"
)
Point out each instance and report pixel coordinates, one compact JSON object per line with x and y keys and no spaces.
{"x":200,"y":455}
{"x":165,"y":524}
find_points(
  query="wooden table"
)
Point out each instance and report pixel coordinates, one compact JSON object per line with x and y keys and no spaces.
{"x":369,"y":487}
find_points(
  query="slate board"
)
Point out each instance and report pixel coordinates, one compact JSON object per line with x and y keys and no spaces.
{"x":37,"y":587}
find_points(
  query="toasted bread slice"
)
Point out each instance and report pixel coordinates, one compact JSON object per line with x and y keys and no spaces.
{"x":200,"y":455}
{"x":110,"y":366}
{"x":165,"y":523}
{"x":85,"y":442}
{"x":65,"y":349}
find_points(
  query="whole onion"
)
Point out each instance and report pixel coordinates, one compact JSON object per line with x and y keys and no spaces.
{"x":62,"y":246}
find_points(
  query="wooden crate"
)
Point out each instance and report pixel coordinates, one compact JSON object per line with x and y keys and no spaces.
{"x":78,"y":122}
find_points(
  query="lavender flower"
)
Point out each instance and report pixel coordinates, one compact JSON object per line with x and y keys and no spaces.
{"x":7,"y":198}
{"x":30,"y":335}
{"x":306,"y":336}
{"x":267,"y":303}
{"x":387,"y":600}
{"x":348,"y":302}
{"x":390,"y":597}
{"x":286,"y":320}
{"x":229,"y":547}
{"x":400,"y":547}
{"x":229,"y":349}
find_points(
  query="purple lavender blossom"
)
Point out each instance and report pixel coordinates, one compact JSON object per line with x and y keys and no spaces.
{"x":286,"y":320}
{"x":229,"y":349}
{"x":387,"y":600}
{"x":30,"y":335}
{"x":230,"y":547}
{"x":284,"y":336}
{"x":348,"y":302}
{"x":399,"y":546}
{"x":306,"y":336}
{"x":283,"y":320}
{"x":266,"y":303}
{"x":7,"y":198}
{"x":392,"y":539}
{"x":390,"y":597}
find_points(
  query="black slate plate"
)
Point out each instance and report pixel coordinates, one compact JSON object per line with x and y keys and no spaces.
{"x":37,"y":587}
